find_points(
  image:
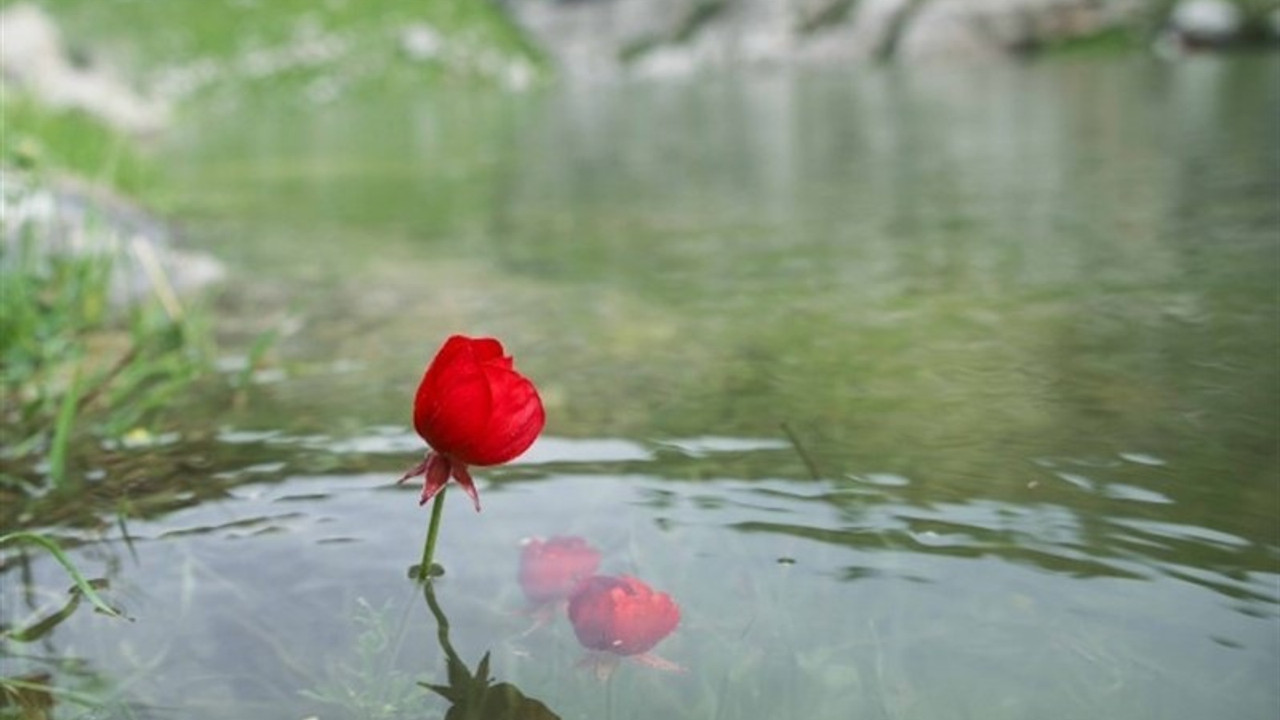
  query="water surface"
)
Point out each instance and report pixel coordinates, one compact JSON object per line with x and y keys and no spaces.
{"x":925,"y":394}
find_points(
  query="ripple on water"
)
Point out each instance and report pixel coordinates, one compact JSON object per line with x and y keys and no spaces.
{"x":712,"y":444}
{"x":1132,"y":493}
{"x":881,"y":479}
{"x":1178,"y":531}
{"x":1142,"y":459}
{"x":1075,"y":479}
{"x":585,"y":450}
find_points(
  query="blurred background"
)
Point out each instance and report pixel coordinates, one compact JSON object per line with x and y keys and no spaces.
{"x":926,"y":351}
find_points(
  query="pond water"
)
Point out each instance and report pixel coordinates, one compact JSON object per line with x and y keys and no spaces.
{"x":924,"y":394}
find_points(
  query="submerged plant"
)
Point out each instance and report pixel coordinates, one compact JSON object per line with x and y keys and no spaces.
{"x":472,"y":408}
{"x":369,"y":687}
{"x":82,"y":585}
{"x":34,"y":693}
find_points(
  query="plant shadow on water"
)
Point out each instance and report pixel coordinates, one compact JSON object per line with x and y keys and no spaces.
{"x":474,"y":696}
{"x":370,"y":689}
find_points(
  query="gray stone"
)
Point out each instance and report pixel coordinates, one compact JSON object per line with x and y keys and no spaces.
{"x":603,"y":38}
{"x":40,"y":220}
{"x":1208,"y":22}
{"x":34,"y":58}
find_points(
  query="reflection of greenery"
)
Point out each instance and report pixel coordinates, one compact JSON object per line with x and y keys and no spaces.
{"x":894,"y":318}
{"x":474,"y":696}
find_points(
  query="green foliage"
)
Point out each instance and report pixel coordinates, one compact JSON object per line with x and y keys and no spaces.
{"x":82,"y":584}
{"x":40,"y":138}
{"x":346,"y":44}
{"x":31,"y":694}
{"x":1112,"y":40}
{"x":74,"y":361}
{"x":832,"y":13}
{"x":698,"y":16}
{"x":686,"y":29}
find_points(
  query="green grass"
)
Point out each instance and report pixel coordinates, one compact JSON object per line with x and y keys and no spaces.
{"x":46,"y":139}
{"x":76,"y":368}
{"x":221,"y":28}
{"x":351,"y":44}
{"x":28,"y":695}
{"x":1108,"y":42}
{"x":82,"y":584}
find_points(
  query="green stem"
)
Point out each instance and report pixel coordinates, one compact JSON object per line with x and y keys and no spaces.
{"x":429,"y":549}
{"x":442,"y":622}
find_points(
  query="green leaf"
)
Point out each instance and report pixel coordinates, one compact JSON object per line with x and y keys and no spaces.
{"x":62,"y":434}
{"x":82,"y":584}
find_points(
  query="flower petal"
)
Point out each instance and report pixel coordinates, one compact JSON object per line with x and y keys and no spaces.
{"x":473,"y":405}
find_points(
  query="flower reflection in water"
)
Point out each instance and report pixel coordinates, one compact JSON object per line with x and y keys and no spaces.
{"x":550,"y":570}
{"x":613,"y":617}
{"x":474,"y":696}
{"x":618,"y":617}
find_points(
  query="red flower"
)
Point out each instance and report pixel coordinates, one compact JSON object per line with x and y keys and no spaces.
{"x":621,"y":615}
{"x":472,"y":408}
{"x":552,"y":569}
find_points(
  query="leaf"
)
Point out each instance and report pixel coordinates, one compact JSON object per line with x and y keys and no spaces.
{"x":82,"y":584}
{"x":62,"y":434}
{"x":42,"y":627}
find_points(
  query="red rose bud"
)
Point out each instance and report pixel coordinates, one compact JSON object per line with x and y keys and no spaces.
{"x":552,"y":569}
{"x":621,"y":615}
{"x":472,"y":408}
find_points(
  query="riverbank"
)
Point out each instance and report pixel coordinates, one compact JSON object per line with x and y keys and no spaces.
{"x":671,"y":38}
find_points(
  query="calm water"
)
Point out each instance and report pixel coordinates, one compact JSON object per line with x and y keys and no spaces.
{"x":938,"y":394}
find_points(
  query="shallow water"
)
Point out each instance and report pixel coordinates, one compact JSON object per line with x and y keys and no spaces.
{"x":932,"y":394}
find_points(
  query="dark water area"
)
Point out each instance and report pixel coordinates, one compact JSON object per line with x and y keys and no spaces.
{"x":932,"y":393}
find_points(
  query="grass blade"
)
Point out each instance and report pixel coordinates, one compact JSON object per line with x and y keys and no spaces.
{"x":62,"y":434}
{"x":82,"y":584}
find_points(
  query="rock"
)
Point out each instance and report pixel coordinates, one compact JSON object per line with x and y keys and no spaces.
{"x":33,"y":57}
{"x":602,"y":38}
{"x":1206,"y":22}
{"x":951,"y":30}
{"x":420,"y":42}
{"x":71,"y":217}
